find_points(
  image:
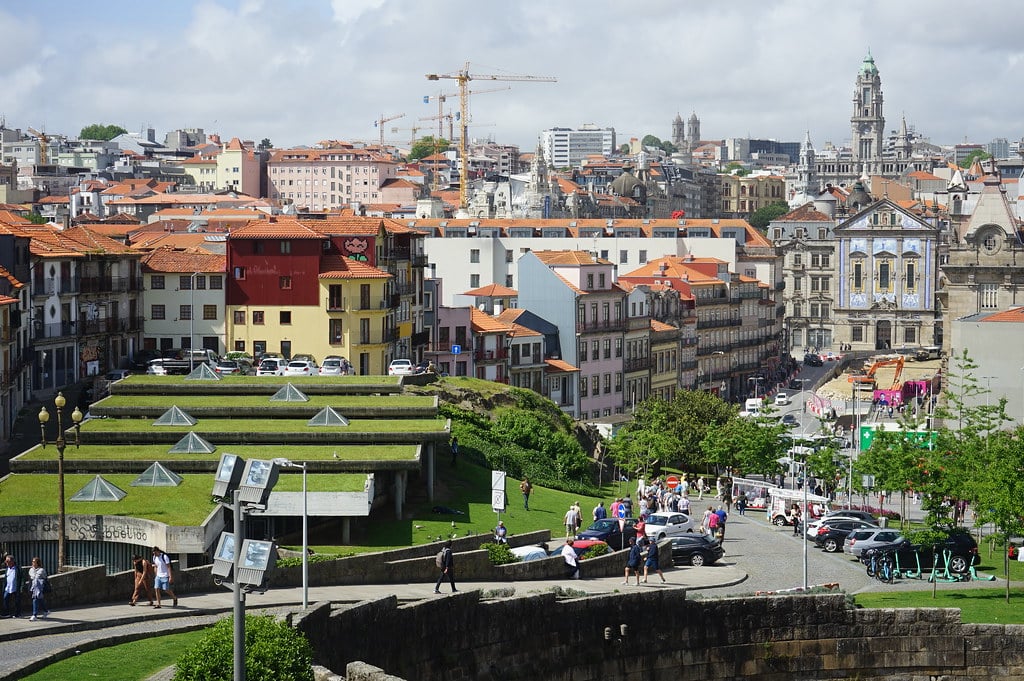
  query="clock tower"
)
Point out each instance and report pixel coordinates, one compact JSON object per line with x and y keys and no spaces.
{"x":867,"y":121}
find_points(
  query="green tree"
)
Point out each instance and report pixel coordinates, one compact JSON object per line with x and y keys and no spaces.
{"x":650,"y":141}
{"x":265,"y":144}
{"x":36,"y":219}
{"x":976,"y":155}
{"x":425,"y":146}
{"x":274,"y":651}
{"x":765,"y":214}
{"x":623,"y":148}
{"x":668,"y":147}
{"x":1000,"y":487}
{"x":747,"y":444}
{"x":735,"y":168}
{"x":99,"y":131}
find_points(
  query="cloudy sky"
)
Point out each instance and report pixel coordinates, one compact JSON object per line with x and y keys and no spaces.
{"x":299,"y":71}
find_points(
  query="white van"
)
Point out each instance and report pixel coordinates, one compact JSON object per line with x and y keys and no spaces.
{"x":272,"y":366}
{"x":752,"y":407}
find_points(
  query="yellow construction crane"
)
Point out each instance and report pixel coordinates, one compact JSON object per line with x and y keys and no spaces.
{"x":414,"y":129}
{"x":379,"y":123}
{"x":44,"y":145}
{"x":463,"y":77}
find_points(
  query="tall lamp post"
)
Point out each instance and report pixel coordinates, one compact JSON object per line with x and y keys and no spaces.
{"x":192,"y":320}
{"x":285,"y":463}
{"x":61,"y":444}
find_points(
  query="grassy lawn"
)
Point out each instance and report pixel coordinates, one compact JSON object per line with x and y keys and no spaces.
{"x":268,"y":426}
{"x":147,"y":379}
{"x":186,"y":505}
{"x":978,"y":606}
{"x":126,"y":662}
{"x":242,"y":401}
{"x":294,"y":452}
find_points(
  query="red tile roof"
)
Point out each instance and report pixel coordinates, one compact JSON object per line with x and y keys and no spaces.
{"x":485,"y":323}
{"x":557,"y":366}
{"x":492,"y":290}
{"x":1015,"y":314}
{"x":171,"y":261}
{"x":339,"y":267}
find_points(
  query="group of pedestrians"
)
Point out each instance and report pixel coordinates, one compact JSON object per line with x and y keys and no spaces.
{"x":636,"y":555}
{"x":38,"y":585}
{"x":152,"y":578}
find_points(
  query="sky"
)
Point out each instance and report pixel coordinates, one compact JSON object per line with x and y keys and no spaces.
{"x":301,"y":71}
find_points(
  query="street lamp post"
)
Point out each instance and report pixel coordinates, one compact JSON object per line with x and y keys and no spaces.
{"x":192,"y":320}
{"x":305,"y":528}
{"x":61,"y":444}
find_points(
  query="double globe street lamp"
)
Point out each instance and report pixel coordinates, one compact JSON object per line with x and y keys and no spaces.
{"x":44,"y":417}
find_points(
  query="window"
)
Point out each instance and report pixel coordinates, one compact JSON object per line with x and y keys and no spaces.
{"x":239,"y":273}
{"x":798,"y":259}
{"x":157,"y":312}
{"x":595,"y":384}
{"x":285,"y":283}
{"x":911,"y":278}
{"x":989,"y":295}
{"x":474,"y":255}
{"x":209,"y":312}
{"x":334,"y":331}
{"x":156,"y":281}
{"x":607,"y":384}
{"x":798,"y":283}
{"x":334,"y":297}
{"x":185,"y":283}
{"x":825,"y":259}
{"x":474,"y":281}
{"x":798,"y":310}
{"x":509,"y":255}
{"x":601,"y":284}
{"x":910,"y":335}
{"x":857,"y":333}
{"x":590,"y":281}
{"x":618,"y":382}
{"x":884,"y":276}
{"x":607,"y":344}
{"x":582,"y":351}
{"x":595,"y":350}
{"x":643,"y":256}
{"x":239,"y":317}
{"x":184,"y":312}
{"x":509,"y":281}
{"x":257,"y":247}
{"x":200,"y":282}
{"x":583,"y":386}
{"x":858,"y":275}
{"x":618,"y":347}
{"x":286,"y":247}
{"x":257,"y":317}
{"x":285,"y":317}
{"x":623,"y":257}
{"x":239,"y":346}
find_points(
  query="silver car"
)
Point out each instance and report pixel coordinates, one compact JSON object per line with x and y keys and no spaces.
{"x":861,"y":540}
{"x":661,"y":525}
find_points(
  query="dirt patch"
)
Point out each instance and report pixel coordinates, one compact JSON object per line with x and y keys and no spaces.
{"x":841,"y":388}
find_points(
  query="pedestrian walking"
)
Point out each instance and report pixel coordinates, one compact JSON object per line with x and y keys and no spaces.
{"x":526,"y":488}
{"x":741,"y":503}
{"x":633,"y":560}
{"x":446,"y":561}
{"x":572,"y":561}
{"x":455,"y":449}
{"x":143,"y":575}
{"x":164,"y":576}
{"x":570,"y":522}
{"x":652,"y":561}
{"x":38,"y":585}
{"x":12,"y":595}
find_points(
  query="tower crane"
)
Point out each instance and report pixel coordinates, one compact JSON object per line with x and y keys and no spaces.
{"x":463,"y":77}
{"x":413,"y":129}
{"x":379,"y":123}
{"x":44,"y":145}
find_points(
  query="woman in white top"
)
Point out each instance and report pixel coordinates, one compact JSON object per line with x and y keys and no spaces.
{"x":37,"y":586}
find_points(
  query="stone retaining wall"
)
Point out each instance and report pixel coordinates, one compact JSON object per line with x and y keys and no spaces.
{"x":658,"y":634}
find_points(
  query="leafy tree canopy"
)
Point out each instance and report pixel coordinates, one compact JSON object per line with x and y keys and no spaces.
{"x":764,"y":215}
{"x":265,"y":144}
{"x":735,"y":168}
{"x":425,"y":146}
{"x":664,"y":145}
{"x":99,"y":131}
{"x":976,"y":155}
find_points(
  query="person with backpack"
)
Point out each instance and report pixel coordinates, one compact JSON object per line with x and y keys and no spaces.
{"x":445,"y":560}
{"x":722,"y":517}
{"x":526,"y":488}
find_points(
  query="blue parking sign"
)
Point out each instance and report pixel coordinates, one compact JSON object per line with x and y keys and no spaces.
{"x":456,"y":349}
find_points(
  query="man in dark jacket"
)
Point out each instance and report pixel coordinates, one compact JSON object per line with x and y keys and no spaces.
{"x":447,"y":567}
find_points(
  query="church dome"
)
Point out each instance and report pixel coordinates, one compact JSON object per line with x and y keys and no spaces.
{"x":626,"y":184}
{"x":868,"y":67}
{"x":859,"y":197}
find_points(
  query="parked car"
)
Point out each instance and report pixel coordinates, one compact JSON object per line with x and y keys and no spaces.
{"x":789,"y":421}
{"x":962,"y":547}
{"x":813,"y":360}
{"x":271,"y":366}
{"x":118,"y":374}
{"x":526,"y":553}
{"x":400,"y":367}
{"x":831,"y":534}
{"x":308,"y":358}
{"x":864,"y":516}
{"x":661,"y":525}
{"x":781,"y":400}
{"x":582,"y":546}
{"x":851,"y":513}
{"x":331,"y":366}
{"x":696,"y":550}
{"x":860,"y":540}
{"x":607,"y":530}
{"x":229,"y":367}
{"x":300,"y":367}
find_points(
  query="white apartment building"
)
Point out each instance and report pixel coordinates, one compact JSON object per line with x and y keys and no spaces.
{"x":184,"y":300}
{"x":567,"y":147}
{"x":326,"y":179}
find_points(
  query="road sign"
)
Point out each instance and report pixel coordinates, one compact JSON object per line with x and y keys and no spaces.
{"x":621,"y":511}
{"x":672,"y":481}
{"x":456,"y":349}
{"x":498,"y":491}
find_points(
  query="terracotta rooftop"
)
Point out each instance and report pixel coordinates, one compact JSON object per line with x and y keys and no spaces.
{"x":492,"y":291}
{"x":485,"y":323}
{"x":175,"y":261}
{"x":1015,"y":314}
{"x":339,"y":267}
{"x":804,"y":213}
{"x":569,"y":258}
{"x":557,"y":366}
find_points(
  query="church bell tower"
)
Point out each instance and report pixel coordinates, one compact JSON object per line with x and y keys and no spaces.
{"x":868,"y":122}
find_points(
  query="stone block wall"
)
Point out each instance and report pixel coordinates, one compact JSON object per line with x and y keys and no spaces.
{"x":659,"y":634}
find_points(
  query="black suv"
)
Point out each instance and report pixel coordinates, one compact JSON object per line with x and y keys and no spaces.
{"x":963,"y":553}
{"x":833,"y":533}
{"x":607,"y":530}
{"x":696,"y":550}
{"x":813,"y":360}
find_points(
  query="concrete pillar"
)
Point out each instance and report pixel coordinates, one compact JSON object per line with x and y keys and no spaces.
{"x":430,"y":463}
{"x":346,"y":530}
{"x":400,"y":483}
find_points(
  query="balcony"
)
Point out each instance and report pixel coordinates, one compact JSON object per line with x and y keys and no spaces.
{"x":490,"y":355}
{"x":688,"y":365}
{"x":54,"y":330}
{"x":717,"y":323}
{"x":604,"y":325}
{"x":406,"y":289}
{"x":710,"y":349}
{"x":637,"y":364}
{"x":360,"y":305}
{"x":92,"y":285}
{"x":420,"y":338}
{"x":49,"y":287}
{"x":419,"y":261}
